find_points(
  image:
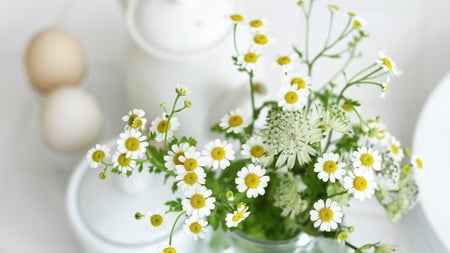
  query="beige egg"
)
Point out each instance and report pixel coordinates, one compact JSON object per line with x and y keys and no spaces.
{"x":71,"y":120}
{"x":54,"y":58}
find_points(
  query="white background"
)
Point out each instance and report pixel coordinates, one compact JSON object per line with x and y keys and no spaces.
{"x":33,"y":178}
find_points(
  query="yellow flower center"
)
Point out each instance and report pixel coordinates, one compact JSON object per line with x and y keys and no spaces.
{"x":357,"y":24}
{"x":176,"y":158}
{"x":156,"y":220}
{"x":283,"y":60}
{"x":238,"y":216}
{"x":235,"y":121}
{"x":237,"y":18}
{"x":291,"y":97}
{"x":190,"y":178}
{"x":330,"y":167}
{"x":257,"y":151}
{"x":256,"y":23}
{"x":198,"y":201}
{"x":218,"y":153}
{"x":360,"y":183}
{"x":195,"y":228}
{"x":260,"y":39}
{"x":351,"y":14}
{"x":190,"y":164}
{"x":300,"y":82}
{"x":163,"y":126}
{"x":98,"y":156}
{"x":251,"y":57}
{"x":395,"y":150}
{"x":326,"y":214}
{"x":419,"y":163}
{"x":347,"y":107}
{"x":131,"y":119}
{"x":381,"y":134}
{"x":386,"y":87}
{"x":342,"y":236}
{"x":123,"y":160}
{"x":252,"y":180}
{"x":132,"y":144}
{"x":333,"y":7}
{"x":169,"y":250}
{"x":367,"y":160}
{"x":387,"y":63}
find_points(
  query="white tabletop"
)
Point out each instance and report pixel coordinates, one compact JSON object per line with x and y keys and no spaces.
{"x":33,"y":178}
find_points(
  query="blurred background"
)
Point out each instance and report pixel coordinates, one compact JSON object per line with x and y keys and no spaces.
{"x":34,"y":176}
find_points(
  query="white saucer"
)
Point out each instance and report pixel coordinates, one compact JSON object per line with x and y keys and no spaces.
{"x":431,"y":218}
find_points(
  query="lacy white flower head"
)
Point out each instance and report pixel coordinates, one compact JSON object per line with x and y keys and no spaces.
{"x":284,"y":163}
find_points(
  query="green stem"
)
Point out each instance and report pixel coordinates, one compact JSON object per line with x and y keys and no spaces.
{"x":362,"y":71}
{"x":173,"y":227}
{"x":337,"y":194}
{"x":166,"y":130}
{"x":344,"y":66}
{"x":252,"y":94}
{"x":361,"y":120}
{"x":328,"y":141}
{"x":330,"y":28}
{"x":350,"y":245}
{"x":235,"y":39}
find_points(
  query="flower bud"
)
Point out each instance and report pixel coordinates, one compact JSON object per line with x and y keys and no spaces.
{"x":102,"y":175}
{"x":187,"y":103}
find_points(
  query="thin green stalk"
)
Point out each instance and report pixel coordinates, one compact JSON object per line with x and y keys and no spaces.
{"x":362,"y":71}
{"x":337,"y":194}
{"x":330,"y":28}
{"x":252,"y":94}
{"x":235,"y":39}
{"x":173,"y":226}
{"x":350,"y":245}
{"x":166,"y":130}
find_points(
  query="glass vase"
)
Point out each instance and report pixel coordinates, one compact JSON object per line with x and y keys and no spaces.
{"x":303,"y":243}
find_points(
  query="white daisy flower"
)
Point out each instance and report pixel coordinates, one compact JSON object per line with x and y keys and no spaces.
{"x":358,"y":23}
{"x":285,"y":62}
{"x":198,"y":201}
{"x":191,"y":179}
{"x":97,"y":155}
{"x":257,"y":24}
{"x":167,"y":249}
{"x":366,"y":157}
{"x":191,"y":161}
{"x":385,"y":87}
{"x":133,"y":143}
{"x":236,"y":18}
{"x":326,"y":215}
{"x":160,"y":126}
{"x":387,"y":63}
{"x":298,"y":80}
{"x":235,"y":121}
{"x":182,"y":90}
{"x":172,"y":159}
{"x":292,"y":99}
{"x":196,"y":226}
{"x":233,"y":219}
{"x":155,"y":220}
{"x":249,"y":58}
{"x":122,"y":162}
{"x":329,"y":168}
{"x":252,"y":179}
{"x":360,"y":183}
{"x":255,"y":149}
{"x":135,"y":119}
{"x":395,"y":149}
{"x":417,"y":162}
{"x":218,"y":154}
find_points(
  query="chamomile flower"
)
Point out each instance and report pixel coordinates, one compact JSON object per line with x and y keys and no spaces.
{"x":248,"y":59}
{"x":329,"y":167}
{"x":333,"y":7}
{"x":133,"y":143}
{"x":385,"y":62}
{"x":155,"y":220}
{"x":191,"y":179}
{"x":252,"y":180}
{"x":255,"y":149}
{"x":376,"y":132}
{"x":241,"y":213}
{"x":218,"y":154}
{"x":285,"y":62}
{"x":326,"y":215}
{"x":366,"y":157}
{"x":261,"y":39}
{"x":196,"y":226}
{"x":385,"y":87}
{"x":168,"y":249}
{"x":236,"y":18}
{"x":257,"y":24}
{"x":191,"y":161}
{"x":298,"y":80}
{"x":160,"y":126}
{"x":358,"y":23}
{"x":122,"y":162}
{"x":198,"y":201}
{"x":417,"y":162}
{"x":97,"y":155}
{"x":360,"y":183}
{"x":395,"y":149}
{"x":292,"y":99}
{"x":172,"y":159}
{"x":182,"y":90}
{"x":135,"y":119}
{"x":235,"y":121}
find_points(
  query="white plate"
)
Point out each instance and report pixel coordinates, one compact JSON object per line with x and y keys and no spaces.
{"x":432,"y":144}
